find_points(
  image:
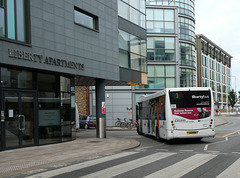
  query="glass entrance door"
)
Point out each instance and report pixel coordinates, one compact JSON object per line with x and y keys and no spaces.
{"x":19,"y":110}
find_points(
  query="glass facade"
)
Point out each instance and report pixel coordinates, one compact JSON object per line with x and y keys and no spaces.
{"x":187,"y":77}
{"x":161,"y":49}
{"x":187,"y":54}
{"x":161,"y":46}
{"x":132,"y":51}
{"x":133,"y":11}
{"x":157,"y":18}
{"x":14,"y":20}
{"x":45,"y":102}
{"x":186,"y":29}
{"x":160,"y":20}
{"x":186,"y":33}
{"x":184,"y":6}
{"x":157,"y":2}
{"x":161,"y":76}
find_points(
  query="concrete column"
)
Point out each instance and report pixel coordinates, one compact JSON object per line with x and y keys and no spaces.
{"x":101,"y":118}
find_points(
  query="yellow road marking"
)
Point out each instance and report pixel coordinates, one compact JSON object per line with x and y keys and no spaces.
{"x":231,"y":133}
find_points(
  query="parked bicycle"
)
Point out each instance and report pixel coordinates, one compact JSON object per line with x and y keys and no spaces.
{"x":132,"y":124}
{"x":118,"y":122}
{"x":124,"y":123}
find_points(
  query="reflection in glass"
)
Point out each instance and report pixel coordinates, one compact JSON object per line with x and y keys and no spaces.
{"x":160,"y":71}
{"x":123,"y":10}
{"x":11,"y":19}
{"x":135,"y":62}
{"x":150,"y":55}
{"x":65,"y":113}
{"x":135,"y":44}
{"x":151,"y":83}
{"x":168,"y":15}
{"x":2,"y":23}
{"x":17,"y":78}
{"x":47,"y":82}
{"x":123,"y":40}
{"x":169,"y":43}
{"x":134,"y":3}
{"x":158,"y":14}
{"x":20,"y":4}
{"x":132,"y":47}
{"x":170,"y":82}
{"x":170,"y":71}
{"x":48,"y":100}
{"x":160,"y":83}
{"x":84,"y":19}
{"x":11,"y":119}
{"x":142,"y":6}
{"x":28,"y":112}
{"x":169,"y":27}
{"x":134,"y":12}
{"x":64,"y":84}
{"x":151,"y":71}
{"x":134,"y":16}
{"x":159,"y":42}
{"x":123,"y":59}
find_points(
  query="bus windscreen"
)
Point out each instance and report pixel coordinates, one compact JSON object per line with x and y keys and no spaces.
{"x":191,"y":105}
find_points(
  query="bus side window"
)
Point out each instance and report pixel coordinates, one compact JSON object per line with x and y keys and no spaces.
{"x":162,"y":107}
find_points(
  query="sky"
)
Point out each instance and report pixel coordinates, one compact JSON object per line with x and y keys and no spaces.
{"x":219,"y":21}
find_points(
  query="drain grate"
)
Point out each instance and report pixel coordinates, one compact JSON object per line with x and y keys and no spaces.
{"x":94,"y":141}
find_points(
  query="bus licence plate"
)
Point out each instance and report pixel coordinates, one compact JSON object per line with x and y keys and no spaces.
{"x":192,"y":133}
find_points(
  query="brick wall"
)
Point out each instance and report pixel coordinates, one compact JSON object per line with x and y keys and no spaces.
{"x":82,"y":99}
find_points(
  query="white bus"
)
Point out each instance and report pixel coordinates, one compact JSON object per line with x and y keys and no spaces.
{"x":177,"y":113}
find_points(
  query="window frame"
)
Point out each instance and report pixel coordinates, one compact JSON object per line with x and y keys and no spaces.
{"x":94,"y":18}
{"x":27,"y":25}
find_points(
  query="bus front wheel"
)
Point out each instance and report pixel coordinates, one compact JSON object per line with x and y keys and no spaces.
{"x":157,"y":135}
{"x":138,"y":131}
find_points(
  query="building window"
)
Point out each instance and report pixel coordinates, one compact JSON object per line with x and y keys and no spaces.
{"x":132,"y":51}
{"x":186,"y":29}
{"x":133,"y":10}
{"x":187,"y":54}
{"x":161,"y":48}
{"x":160,"y":20}
{"x":85,"y":19}
{"x":14,"y":20}
{"x":187,"y":78}
{"x":213,"y":86}
{"x":161,"y":76}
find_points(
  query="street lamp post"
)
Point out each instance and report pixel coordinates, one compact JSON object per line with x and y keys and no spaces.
{"x":235,"y":82}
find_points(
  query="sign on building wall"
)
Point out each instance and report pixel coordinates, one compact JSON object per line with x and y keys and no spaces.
{"x":103,"y":107}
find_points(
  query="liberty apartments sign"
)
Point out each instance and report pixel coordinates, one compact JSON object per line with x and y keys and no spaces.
{"x":48,"y":60}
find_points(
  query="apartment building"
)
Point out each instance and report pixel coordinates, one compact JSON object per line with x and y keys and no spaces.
{"x":214,"y":70}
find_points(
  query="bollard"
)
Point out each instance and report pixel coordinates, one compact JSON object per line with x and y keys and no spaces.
{"x":101,"y":127}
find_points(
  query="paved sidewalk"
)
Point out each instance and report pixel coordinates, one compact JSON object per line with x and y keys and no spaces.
{"x":221,"y":120}
{"x":37,"y":158}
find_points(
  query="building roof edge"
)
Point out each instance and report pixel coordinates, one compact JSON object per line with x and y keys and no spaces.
{"x":214,"y":44}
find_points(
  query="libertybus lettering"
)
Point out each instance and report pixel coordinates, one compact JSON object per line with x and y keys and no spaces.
{"x":201,"y":96}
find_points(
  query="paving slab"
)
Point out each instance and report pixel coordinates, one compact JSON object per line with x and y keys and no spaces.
{"x":36,"y":158}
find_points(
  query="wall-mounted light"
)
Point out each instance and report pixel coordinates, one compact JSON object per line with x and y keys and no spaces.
{"x":4,"y":82}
